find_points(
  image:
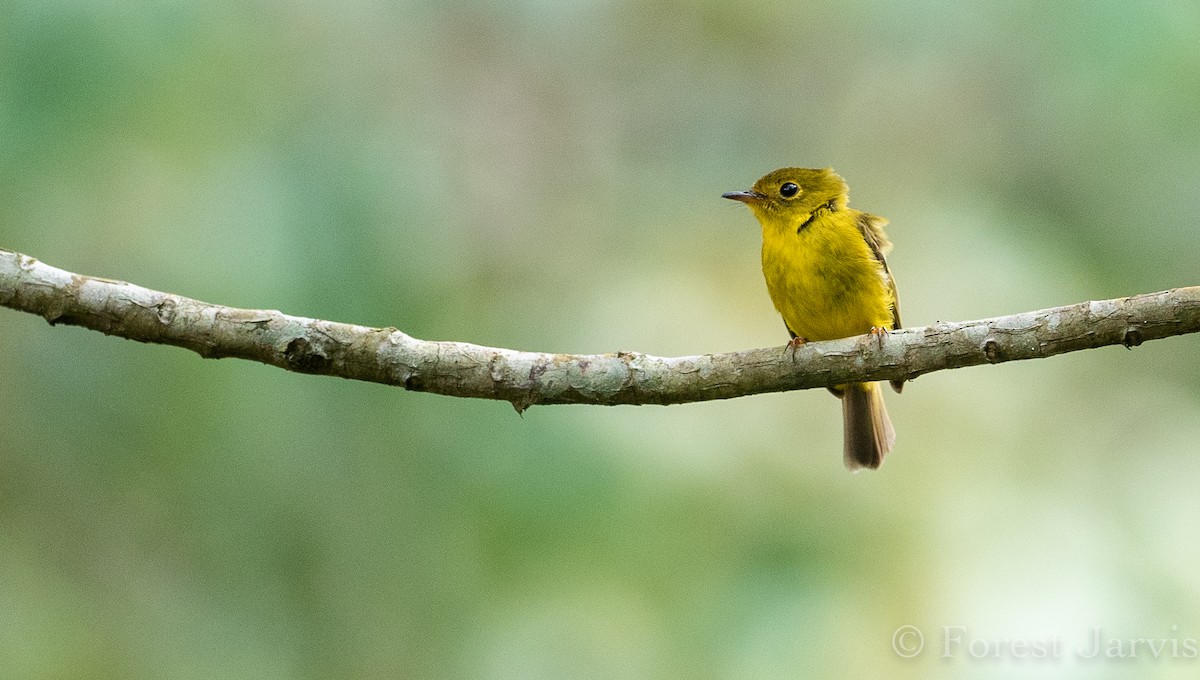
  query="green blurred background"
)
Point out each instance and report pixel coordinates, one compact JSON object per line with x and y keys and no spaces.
{"x":547,"y":176}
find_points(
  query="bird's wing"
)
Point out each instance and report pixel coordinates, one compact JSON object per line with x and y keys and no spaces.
{"x":871,"y":227}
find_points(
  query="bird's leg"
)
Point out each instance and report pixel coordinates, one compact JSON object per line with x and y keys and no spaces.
{"x":879,"y":333}
{"x":793,"y":345}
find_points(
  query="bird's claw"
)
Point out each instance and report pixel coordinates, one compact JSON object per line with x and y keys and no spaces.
{"x":793,"y":345}
{"x":879,"y":333}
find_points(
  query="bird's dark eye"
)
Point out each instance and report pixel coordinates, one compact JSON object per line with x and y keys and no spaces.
{"x":789,"y":189}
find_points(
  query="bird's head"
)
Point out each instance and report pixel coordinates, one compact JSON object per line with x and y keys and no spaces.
{"x":790,"y":196}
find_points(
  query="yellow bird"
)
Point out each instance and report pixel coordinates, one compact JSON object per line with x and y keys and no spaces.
{"x":825,"y":271}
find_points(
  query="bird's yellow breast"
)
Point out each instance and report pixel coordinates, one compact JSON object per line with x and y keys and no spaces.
{"x":823,"y":278}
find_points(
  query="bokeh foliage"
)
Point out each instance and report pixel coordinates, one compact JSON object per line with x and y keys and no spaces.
{"x":547,"y":177}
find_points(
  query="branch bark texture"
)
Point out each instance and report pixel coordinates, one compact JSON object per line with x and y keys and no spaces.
{"x":389,"y":356}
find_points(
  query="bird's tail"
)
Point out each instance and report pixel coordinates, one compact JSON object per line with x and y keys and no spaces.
{"x":869,"y":433}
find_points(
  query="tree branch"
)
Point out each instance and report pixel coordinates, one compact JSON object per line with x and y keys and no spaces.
{"x":388,"y":356}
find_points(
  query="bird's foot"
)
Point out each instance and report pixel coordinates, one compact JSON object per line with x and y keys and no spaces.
{"x":879,"y":333}
{"x":793,"y":345}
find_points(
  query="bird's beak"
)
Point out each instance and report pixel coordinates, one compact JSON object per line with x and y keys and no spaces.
{"x":744,"y":196}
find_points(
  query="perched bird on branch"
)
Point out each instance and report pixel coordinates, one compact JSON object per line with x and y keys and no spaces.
{"x":826,"y":273}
